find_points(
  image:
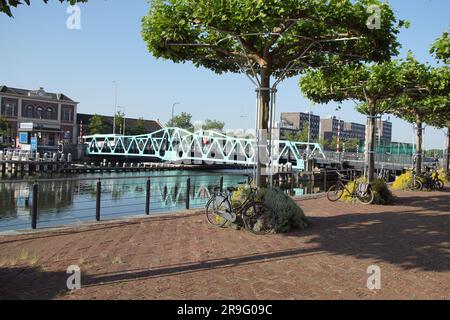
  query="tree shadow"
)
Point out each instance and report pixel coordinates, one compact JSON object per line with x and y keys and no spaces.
{"x":417,"y":238}
{"x":31,"y":283}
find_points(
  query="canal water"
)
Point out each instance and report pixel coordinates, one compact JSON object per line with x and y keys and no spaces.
{"x":68,"y":200}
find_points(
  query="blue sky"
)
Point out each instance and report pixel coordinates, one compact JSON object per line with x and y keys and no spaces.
{"x":39,"y":51}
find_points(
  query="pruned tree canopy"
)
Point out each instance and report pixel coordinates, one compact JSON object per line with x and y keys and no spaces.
{"x":220,"y":35}
{"x":358,"y":82}
{"x":441,"y":48}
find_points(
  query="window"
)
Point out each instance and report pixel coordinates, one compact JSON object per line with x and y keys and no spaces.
{"x":9,"y":110}
{"x":30,"y":110}
{"x":67,"y":114}
{"x":50,"y":113}
{"x":39,"y":112}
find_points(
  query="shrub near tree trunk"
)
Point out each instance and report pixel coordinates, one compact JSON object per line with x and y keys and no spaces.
{"x":381,"y":192}
{"x":289,"y":215}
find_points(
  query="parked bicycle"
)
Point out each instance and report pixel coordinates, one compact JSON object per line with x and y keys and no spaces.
{"x":383,"y":175}
{"x":432,"y":180}
{"x":361,"y":191}
{"x":415,"y":184}
{"x":258,"y":217}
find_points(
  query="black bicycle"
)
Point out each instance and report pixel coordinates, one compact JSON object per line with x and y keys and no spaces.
{"x":258,"y":217}
{"x":361,"y":191}
{"x":432,"y":181}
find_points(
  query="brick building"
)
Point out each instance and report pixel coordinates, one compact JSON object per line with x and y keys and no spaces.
{"x":49,"y":117}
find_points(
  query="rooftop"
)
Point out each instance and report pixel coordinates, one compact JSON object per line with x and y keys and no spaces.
{"x":39,"y":93}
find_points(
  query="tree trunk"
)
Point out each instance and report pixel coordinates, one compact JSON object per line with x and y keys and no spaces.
{"x":419,"y":141}
{"x":265,"y":99}
{"x":370,"y":156}
{"x":447,"y":149}
{"x":263,"y":121}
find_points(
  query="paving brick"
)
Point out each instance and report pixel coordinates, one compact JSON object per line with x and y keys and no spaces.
{"x":182,"y":257}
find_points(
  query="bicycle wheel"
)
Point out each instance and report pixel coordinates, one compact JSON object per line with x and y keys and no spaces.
{"x":418,"y":185}
{"x":335,"y":193}
{"x":439,"y":184}
{"x":365,"y":197}
{"x":259,"y":218}
{"x":215,"y":204}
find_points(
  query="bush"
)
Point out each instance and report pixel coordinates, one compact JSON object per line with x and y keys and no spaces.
{"x":404,"y":181}
{"x":381,"y":192}
{"x":289,"y":215}
{"x":444,"y":175}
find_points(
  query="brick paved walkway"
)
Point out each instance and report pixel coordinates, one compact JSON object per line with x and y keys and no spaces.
{"x":184,"y":258}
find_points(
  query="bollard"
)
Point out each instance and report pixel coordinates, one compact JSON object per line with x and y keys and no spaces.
{"x":221,"y":184}
{"x":69,"y":157}
{"x":99,"y":199}
{"x":147,"y":197}
{"x":188,"y":189}
{"x":34,"y":208}
{"x":325,"y":181}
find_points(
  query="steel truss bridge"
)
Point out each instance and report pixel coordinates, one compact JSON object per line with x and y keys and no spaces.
{"x":181,"y":146}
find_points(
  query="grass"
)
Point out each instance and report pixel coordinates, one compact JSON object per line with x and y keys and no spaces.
{"x":117,"y":260}
{"x":34,"y":259}
{"x":24,"y":253}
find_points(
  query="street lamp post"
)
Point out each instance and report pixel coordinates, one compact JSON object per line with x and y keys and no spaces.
{"x":173,"y":109}
{"x":115,"y":107}
{"x":124,"y":119}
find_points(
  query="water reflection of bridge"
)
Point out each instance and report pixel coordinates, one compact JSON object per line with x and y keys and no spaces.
{"x":74,"y":199}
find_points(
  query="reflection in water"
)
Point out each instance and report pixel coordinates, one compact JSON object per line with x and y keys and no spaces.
{"x":71,"y":201}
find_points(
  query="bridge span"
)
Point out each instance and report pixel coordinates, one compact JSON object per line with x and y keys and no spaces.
{"x":181,"y":146}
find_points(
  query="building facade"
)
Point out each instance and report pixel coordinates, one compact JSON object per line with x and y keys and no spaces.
{"x":50,"y":118}
{"x":384,"y":131}
{"x":355,"y":131}
{"x":330,"y":127}
{"x":297,"y":121}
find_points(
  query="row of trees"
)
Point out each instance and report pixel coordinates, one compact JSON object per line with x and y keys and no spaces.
{"x":184,"y":121}
{"x":344,"y":49}
{"x":97,"y":124}
{"x":408,"y":89}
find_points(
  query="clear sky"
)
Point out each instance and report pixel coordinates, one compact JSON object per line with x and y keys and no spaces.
{"x":37,"y":50}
